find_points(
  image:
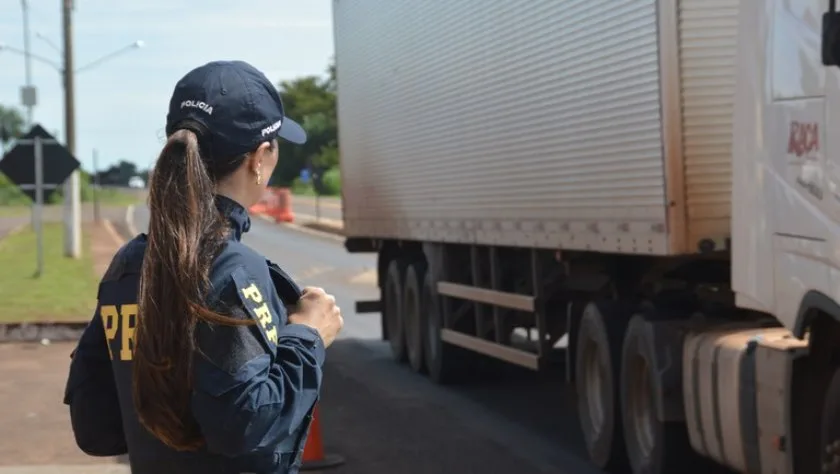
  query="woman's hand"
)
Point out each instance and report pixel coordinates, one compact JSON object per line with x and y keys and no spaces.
{"x":318,"y":310}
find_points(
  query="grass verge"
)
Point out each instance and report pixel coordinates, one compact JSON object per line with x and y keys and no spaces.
{"x":107,"y":197}
{"x":65,"y":292}
{"x":13,"y":211}
{"x":114,"y":197}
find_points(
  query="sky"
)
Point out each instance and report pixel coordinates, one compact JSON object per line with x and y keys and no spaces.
{"x":121,"y":104}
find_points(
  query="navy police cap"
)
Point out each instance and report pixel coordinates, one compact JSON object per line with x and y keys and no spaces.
{"x":235,"y":104}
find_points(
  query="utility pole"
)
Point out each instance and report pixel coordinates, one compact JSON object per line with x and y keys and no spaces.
{"x":28,"y":96}
{"x":96,"y":214}
{"x":27,"y":92}
{"x":72,"y":198}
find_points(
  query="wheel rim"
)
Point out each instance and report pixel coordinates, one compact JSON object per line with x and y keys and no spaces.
{"x":594,"y":374}
{"x":641,"y":407}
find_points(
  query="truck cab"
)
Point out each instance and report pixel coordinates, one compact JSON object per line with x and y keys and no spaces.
{"x":786,"y":222}
{"x":786,"y":201}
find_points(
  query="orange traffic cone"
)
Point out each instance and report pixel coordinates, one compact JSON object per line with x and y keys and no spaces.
{"x":314,"y":456}
{"x":262,"y":206}
{"x":282,"y":212}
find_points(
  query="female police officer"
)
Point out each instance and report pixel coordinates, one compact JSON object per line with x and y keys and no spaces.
{"x":191,"y":363}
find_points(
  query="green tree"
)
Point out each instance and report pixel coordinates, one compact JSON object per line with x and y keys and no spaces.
{"x":11,"y":124}
{"x":118,"y":174}
{"x":11,"y":127}
{"x":311,"y":101}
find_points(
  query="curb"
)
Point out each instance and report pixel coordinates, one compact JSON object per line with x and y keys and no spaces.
{"x":129,"y":220}
{"x":109,"y":227}
{"x":43,"y":332}
{"x":15,"y":230}
{"x":309,"y":227}
{"x":324,"y":227}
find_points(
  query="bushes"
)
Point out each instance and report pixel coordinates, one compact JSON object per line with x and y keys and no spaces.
{"x":85,"y":191}
{"x":300,"y":188}
{"x":10,"y":195}
{"x":331,"y":182}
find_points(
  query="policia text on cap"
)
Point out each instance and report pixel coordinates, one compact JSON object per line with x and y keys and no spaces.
{"x":191,"y":363}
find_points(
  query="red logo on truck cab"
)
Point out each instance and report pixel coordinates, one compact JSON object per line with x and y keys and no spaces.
{"x":804,"y":138}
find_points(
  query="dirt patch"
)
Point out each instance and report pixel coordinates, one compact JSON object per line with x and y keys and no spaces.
{"x":105,"y":240}
{"x":36,"y":424}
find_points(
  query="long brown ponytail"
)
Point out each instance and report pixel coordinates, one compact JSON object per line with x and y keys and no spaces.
{"x":186,"y":233}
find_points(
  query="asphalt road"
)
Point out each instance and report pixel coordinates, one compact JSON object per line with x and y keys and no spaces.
{"x":384,"y":419}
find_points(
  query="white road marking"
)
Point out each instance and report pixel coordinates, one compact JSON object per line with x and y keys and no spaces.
{"x":312,"y":272}
{"x":129,"y":221}
{"x":367,"y":277}
{"x":114,"y":234}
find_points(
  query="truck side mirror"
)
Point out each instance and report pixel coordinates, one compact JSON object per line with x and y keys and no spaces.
{"x":831,"y":35}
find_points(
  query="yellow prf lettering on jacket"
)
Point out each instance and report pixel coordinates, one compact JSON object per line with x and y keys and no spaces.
{"x":260,"y":311}
{"x":119,"y":320}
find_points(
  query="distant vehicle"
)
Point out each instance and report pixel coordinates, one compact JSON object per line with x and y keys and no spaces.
{"x":136,"y":182}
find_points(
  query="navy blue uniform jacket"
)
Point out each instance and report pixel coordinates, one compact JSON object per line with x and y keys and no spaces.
{"x":254,"y":386}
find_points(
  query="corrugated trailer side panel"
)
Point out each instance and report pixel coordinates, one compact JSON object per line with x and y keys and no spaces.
{"x":708,"y":31}
{"x":511,"y":122}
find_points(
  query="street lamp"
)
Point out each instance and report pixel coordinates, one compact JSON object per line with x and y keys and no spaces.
{"x":12,"y":49}
{"x":55,"y":65}
{"x":45,"y":39}
{"x":68,"y":72}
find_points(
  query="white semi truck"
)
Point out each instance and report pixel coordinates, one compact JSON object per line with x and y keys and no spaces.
{"x":656,"y":180}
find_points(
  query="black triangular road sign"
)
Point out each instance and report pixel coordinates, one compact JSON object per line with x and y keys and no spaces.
{"x":19,"y":163}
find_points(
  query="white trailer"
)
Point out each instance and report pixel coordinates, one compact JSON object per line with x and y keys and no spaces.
{"x":649,"y":178}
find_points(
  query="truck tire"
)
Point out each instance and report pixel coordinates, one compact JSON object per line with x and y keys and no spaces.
{"x":393,"y":310}
{"x":597,"y":378}
{"x":414,"y":315}
{"x":444,"y":362}
{"x":653,"y":446}
{"x":830,"y":429}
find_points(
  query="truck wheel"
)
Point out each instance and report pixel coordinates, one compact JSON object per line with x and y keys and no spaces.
{"x":394,"y":317}
{"x":414,"y":314}
{"x":830,"y":430}
{"x":444,"y":362}
{"x":653,"y":447}
{"x":597,"y":378}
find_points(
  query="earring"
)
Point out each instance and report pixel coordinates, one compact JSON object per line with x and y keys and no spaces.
{"x":259,"y":177}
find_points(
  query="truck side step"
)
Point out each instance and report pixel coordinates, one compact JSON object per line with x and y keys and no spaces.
{"x":368,"y":306}
{"x":482,"y":295}
{"x":492,"y":349}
